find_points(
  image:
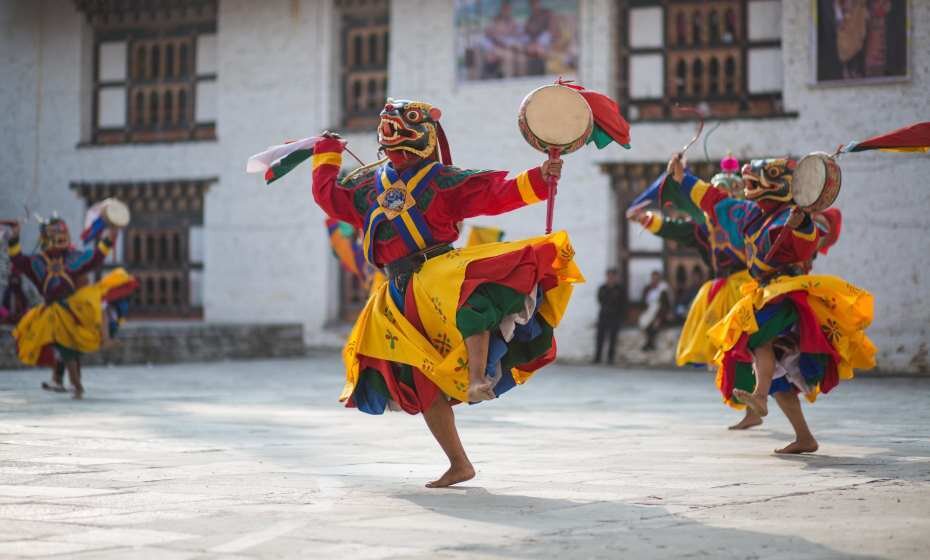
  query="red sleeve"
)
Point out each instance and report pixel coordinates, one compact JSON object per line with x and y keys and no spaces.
{"x":22,"y":263}
{"x":335,"y":200}
{"x":489,"y":194}
{"x":800,"y":246}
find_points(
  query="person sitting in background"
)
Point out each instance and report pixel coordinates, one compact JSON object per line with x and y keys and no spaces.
{"x":611,"y":297}
{"x":658,"y":305}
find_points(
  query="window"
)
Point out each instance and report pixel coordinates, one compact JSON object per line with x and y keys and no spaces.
{"x":638,"y":252}
{"x":724,"y":55}
{"x":162,"y":246}
{"x":365,"y":40}
{"x":154,"y":70}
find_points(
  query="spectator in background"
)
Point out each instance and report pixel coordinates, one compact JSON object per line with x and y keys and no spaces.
{"x":658,"y":308}
{"x":501,"y":37}
{"x":611,"y":297}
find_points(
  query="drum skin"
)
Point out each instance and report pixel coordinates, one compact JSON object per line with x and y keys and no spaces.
{"x":115,"y":212}
{"x":816,"y":182}
{"x":555,"y":116}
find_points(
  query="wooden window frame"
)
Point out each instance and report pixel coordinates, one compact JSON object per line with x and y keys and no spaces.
{"x":163,"y":212}
{"x":740,"y":105}
{"x":364,"y":20}
{"x":132,"y":22}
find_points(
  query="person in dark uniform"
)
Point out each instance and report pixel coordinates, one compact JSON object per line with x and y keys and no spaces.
{"x":612,"y":299}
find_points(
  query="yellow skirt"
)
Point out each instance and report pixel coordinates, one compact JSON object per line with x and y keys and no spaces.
{"x":829,"y":315}
{"x":76,"y":323}
{"x":437,"y":349}
{"x":694,"y":346}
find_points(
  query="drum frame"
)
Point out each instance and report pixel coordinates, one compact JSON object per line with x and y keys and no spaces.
{"x":830,"y":189}
{"x":541,"y":144}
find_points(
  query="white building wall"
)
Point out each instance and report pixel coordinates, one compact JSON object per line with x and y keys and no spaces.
{"x":266,"y":254}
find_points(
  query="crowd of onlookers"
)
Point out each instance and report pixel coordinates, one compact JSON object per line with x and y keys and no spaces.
{"x":659,"y":307}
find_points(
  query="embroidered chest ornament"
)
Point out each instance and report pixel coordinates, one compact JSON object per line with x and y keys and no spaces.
{"x":395,"y":199}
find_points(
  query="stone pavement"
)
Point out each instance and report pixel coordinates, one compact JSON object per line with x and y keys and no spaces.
{"x":257,"y":460}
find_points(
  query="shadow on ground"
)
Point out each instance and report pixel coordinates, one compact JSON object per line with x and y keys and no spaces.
{"x":605,"y":529}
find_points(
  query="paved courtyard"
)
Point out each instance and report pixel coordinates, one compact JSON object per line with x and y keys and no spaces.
{"x":257,"y":460}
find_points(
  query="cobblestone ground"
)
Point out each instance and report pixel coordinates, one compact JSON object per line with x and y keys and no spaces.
{"x":257,"y":460}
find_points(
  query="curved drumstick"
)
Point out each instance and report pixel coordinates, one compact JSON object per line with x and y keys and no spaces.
{"x":697,"y":134}
{"x":348,"y":151}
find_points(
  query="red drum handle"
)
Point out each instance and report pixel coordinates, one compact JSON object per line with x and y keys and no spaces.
{"x":553,"y":184}
{"x":796,"y":215}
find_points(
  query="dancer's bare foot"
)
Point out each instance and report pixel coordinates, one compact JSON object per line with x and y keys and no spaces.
{"x":78,"y":393}
{"x":54,"y":387}
{"x":750,"y":420}
{"x":758,"y":405}
{"x":799,"y":446}
{"x":455,"y":474}
{"x":483,"y":391}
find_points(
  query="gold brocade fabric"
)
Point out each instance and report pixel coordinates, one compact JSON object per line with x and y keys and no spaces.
{"x":843,"y":312}
{"x":382,"y":331}
{"x":694,"y":346}
{"x":77,"y":324}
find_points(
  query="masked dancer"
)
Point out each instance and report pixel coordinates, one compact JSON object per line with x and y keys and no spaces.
{"x":450,"y":325}
{"x":74,"y":318}
{"x":791,"y":332}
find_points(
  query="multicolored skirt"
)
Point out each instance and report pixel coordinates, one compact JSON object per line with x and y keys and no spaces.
{"x":74,"y":324}
{"x":817,"y":323}
{"x":408,"y":345}
{"x":713,"y":301}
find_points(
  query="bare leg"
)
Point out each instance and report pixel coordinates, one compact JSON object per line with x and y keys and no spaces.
{"x":57,"y":383}
{"x":441,"y":422}
{"x":763,"y":361}
{"x":749,"y":420}
{"x":479,"y":386}
{"x":74,"y":376}
{"x":804,"y":441}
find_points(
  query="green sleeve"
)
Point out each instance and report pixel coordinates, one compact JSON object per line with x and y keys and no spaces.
{"x":678,"y":230}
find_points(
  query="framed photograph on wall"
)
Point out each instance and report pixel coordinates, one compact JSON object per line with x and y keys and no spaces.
{"x":502,"y":39}
{"x":856,"y":41}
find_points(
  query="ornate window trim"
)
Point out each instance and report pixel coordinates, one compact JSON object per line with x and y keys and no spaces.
{"x":696,"y":72}
{"x":160,"y":83}
{"x":163,"y":244}
{"x":364,"y":46}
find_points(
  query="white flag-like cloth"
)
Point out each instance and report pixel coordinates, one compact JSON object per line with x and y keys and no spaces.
{"x":276,"y":161}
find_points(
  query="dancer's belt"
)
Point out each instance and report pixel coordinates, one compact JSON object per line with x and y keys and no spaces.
{"x":793,"y":269}
{"x":414,"y":261}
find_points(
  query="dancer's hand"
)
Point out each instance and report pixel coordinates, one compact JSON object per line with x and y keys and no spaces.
{"x":676,"y":167}
{"x":552,"y":168}
{"x":641,"y":216}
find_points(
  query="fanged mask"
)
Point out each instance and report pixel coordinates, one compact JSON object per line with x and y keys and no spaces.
{"x":55,"y":235}
{"x":768,"y":179}
{"x":409,"y":126}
